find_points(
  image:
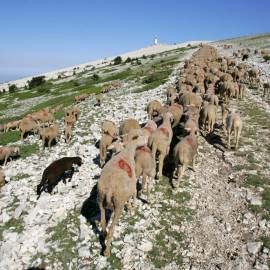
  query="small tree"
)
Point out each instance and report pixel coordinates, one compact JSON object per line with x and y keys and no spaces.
{"x":12,"y":88}
{"x":128,"y":60}
{"x":266,"y":58}
{"x":36,"y":81}
{"x":144,"y":57}
{"x":117,"y":60}
{"x":95,"y":77}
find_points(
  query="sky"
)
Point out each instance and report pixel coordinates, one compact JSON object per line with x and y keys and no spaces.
{"x":42,"y":35}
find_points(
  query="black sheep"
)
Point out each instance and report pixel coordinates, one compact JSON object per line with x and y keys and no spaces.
{"x":56,"y":171}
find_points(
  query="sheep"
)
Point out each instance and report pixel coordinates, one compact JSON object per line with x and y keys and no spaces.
{"x":242,"y":90}
{"x":127,"y":125}
{"x":80,"y":98}
{"x":177,"y":111}
{"x":266,"y":90}
{"x":233,"y":123}
{"x":68,"y":133}
{"x":74,"y":111}
{"x":12,"y":125}
{"x":2,"y":127}
{"x":70,"y":120}
{"x":209,"y":114}
{"x":2,"y":178}
{"x":105,"y":141}
{"x":99,"y":99}
{"x":8,"y":151}
{"x":27,"y":126}
{"x":153,"y":108}
{"x":145,"y":166}
{"x":55,"y":171}
{"x":109,"y":127}
{"x":50,"y":134}
{"x":149,"y":128}
{"x":184,"y":153}
{"x":160,"y":141}
{"x":116,"y":185}
{"x":171,"y":91}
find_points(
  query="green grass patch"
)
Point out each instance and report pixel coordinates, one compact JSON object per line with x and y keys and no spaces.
{"x":15,"y":225}
{"x":254,"y":180}
{"x":9,"y":137}
{"x":20,"y":176}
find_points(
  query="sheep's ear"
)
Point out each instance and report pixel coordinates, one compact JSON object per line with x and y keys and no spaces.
{"x":111,"y":146}
{"x":179,"y":138}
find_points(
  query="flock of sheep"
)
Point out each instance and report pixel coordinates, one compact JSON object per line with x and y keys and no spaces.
{"x":206,"y":82}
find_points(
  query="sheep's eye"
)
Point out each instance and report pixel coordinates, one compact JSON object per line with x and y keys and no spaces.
{"x":135,"y":137}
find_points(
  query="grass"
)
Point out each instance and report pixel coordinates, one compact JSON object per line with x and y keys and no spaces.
{"x":9,"y":137}
{"x":15,"y":225}
{"x":254,"y":180}
{"x":20,"y":176}
{"x":65,"y":249}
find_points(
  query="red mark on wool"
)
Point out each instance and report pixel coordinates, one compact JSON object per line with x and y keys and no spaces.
{"x":149,"y":129}
{"x":125,"y":166}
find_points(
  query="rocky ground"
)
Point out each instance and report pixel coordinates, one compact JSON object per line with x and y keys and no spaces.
{"x":217,"y":219}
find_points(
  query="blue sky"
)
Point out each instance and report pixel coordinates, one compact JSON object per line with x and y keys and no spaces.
{"x":38,"y":36}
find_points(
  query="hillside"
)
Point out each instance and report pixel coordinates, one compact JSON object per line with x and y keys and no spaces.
{"x":218,"y":218}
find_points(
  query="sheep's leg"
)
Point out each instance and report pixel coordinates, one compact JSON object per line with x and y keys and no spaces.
{"x":143,"y":182}
{"x":6,"y":158}
{"x":148,"y":188}
{"x":22,"y":134}
{"x":181,"y":173}
{"x":160,"y":165}
{"x":49,"y":143}
{"x":229,"y":138}
{"x":43,"y":142}
{"x":109,"y":237}
{"x":102,"y":218}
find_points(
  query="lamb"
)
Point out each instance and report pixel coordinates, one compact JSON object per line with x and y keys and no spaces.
{"x":105,"y":141}
{"x":99,"y":99}
{"x":161,"y":139}
{"x":153,"y":108}
{"x":75,"y":111}
{"x":8,"y":151}
{"x":117,"y":184}
{"x":233,"y":123}
{"x":2,"y":178}
{"x":55,"y":171}
{"x":242,"y":90}
{"x":109,"y":127}
{"x":171,"y":91}
{"x":68,"y":133}
{"x":27,"y":125}
{"x":184,"y":153}
{"x":50,"y":134}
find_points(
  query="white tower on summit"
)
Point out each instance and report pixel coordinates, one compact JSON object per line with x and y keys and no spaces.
{"x":155,"y":41}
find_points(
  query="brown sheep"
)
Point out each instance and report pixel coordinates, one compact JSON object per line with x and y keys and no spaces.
{"x":184,"y":153}
{"x":8,"y":151}
{"x":12,"y":125}
{"x":109,"y":127}
{"x":28,"y":126}
{"x":233,"y":123}
{"x":117,"y":184}
{"x":161,"y":139}
{"x":153,"y":108}
{"x":127,"y":125}
{"x":49,"y":134}
{"x":68,"y":133}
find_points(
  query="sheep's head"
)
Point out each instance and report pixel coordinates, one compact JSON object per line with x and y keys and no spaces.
{"x":78,"y":161}
{"x":15,"y":150}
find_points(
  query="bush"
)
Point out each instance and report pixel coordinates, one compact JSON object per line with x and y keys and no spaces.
{"x":95,"y":77}
{"x":266,"y":58}
{"x":128,"y":60}
{"x":150,"y":78}
{"x":144,"y":57}
{"x":36,"y":81}
{"x":12,"y":88}
{"x":117,"y":60}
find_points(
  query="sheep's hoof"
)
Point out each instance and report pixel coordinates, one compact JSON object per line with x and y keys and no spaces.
{"x":107,"y":252}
